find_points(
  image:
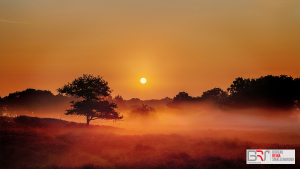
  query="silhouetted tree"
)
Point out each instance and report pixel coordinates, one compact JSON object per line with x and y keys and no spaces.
{"x":297,"y":86}
{"x":181,"y":97}
{"x":238,"y":85}
{"x":119,"y":101}
{"x":215,"y":96}
{"x":135,"y":101}
{"x":268,"y":91}
{"x":31,"y":100}
{"x":92,"y":90}
{"x":119,"y":98}
{"x":94,"y":110}
{"x":2,"y":106}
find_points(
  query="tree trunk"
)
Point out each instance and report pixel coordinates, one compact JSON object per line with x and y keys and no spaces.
{"x":87,"y":121}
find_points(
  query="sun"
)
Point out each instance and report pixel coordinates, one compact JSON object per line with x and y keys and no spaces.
{"x":143,"y":80}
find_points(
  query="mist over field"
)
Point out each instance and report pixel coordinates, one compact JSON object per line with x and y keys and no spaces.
{"x":165,"y":138}
{"x":209,"y":131}
{"x":166,"y":141}
{"x":148,"y":84}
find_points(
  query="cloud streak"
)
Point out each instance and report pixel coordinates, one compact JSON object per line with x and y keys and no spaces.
{"x":16,"y":22}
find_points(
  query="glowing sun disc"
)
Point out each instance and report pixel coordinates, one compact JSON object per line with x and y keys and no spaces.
{"x":143,"y":80}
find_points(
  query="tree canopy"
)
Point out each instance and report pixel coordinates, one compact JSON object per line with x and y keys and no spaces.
{"x":87,"y":87}
{"x":270,"y":91}
{"x":267,"y":91}
{"x":182,"y":96}
{"x":32,"y":101}
{"x":92,"y":90}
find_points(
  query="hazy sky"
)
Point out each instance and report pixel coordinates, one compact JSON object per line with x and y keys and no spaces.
{"x":177,"y":45}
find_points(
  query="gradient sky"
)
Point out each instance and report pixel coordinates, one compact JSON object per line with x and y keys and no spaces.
{"x":177,"y":45}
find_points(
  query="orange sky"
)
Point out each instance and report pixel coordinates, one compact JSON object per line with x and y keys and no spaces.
{"x":182,"y":45}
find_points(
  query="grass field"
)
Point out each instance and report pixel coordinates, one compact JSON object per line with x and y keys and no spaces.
{"x":31,"y":142}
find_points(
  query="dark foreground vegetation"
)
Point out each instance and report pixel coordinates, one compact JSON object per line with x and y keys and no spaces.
{"x":31,"y":142}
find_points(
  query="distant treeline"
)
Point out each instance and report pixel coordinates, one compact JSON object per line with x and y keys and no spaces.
{"x":33,"y":102}
{"x":280,"y":92}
